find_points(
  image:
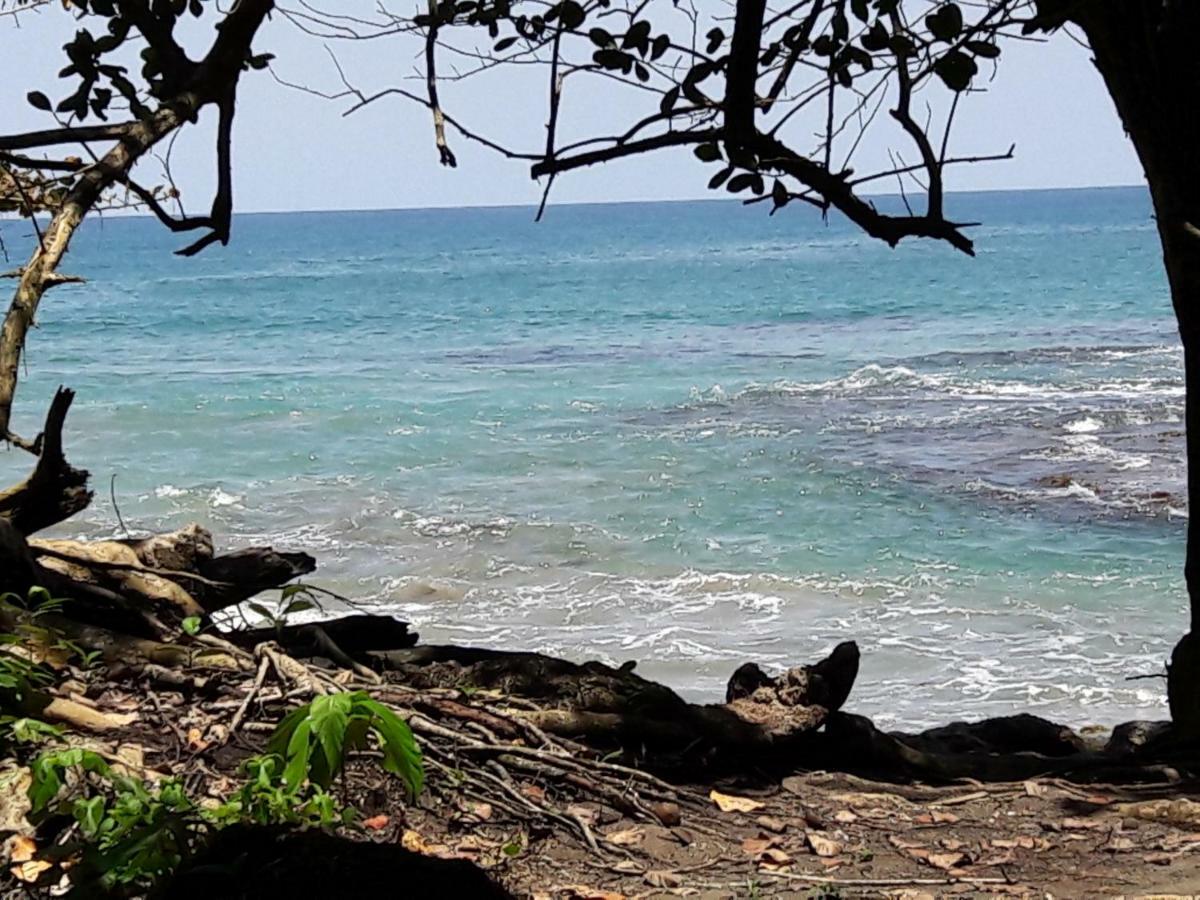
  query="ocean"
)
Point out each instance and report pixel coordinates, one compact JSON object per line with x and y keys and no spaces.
{"x":688,"y":434}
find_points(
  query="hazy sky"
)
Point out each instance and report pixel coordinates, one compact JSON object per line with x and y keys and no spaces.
{"x":293,"y":151}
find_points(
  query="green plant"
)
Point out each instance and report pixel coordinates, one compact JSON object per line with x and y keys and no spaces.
{"x":265,"y":799}
{"x":313,"y":740}
{"x":294,"y":598}
{"x":130,"y":834}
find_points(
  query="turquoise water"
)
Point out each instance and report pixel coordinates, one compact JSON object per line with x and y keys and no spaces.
{"x":686,"y":434}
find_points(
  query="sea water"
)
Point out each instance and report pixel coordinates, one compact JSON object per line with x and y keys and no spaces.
{"x":689,"y":434}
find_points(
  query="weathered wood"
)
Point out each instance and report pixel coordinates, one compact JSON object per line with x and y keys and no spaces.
{"x":118,"y":648}
{"x":354,"y":635}
{"x":56,"y":490}
{"x":238,"y":576}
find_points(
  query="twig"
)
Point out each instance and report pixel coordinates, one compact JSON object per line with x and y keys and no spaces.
{"x":264,"y":666}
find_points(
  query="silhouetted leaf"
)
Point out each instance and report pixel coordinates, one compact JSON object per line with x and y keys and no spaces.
{"x":983,"y":48}
{"x":739,"y":183}
{"x":661,"y":44}
{"x":503,"y":45}
{"x":875,"y":39}
{"x":779,"y":194}
{"x":945,"y":23}
{"x":707,"y":152}
{"x":637,"y":37}
{"x":570,"y":14}
{"x":956,"y":69}
{"x":716,"y":37}
{"x":839,"y":27}
{"x":38,"y":100}
{"x":719,"y":179}
{"x":859,"y":8}
{"x":610,"y":59}
{"x":600,"y":37}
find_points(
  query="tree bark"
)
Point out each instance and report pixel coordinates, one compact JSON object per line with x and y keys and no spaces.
{"x":1146,"y":53}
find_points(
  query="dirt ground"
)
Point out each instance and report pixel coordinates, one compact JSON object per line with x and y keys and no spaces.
{"x":831,"y":835}
{"x":552,"y":819}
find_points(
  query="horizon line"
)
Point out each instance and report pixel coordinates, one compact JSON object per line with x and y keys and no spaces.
{"x":719,"y":199}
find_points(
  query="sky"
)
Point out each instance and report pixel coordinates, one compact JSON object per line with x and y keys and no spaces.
{"x":294,"y":151}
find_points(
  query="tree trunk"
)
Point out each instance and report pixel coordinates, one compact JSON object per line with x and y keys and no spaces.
{"x":1147,"y":54}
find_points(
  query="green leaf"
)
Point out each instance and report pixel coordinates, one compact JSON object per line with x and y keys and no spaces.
{"x":956,"y":69}
{"x":401,"y":755}
{"x":38,"y":100}
{"x":709,"y":152}
{"x":298,"y":606}
{"x":945,"y":23}
{"x":89,"y":813}
{"x":261,"y":610}
{"x":299,"y":749}
{"x":191,"y":625}
{"x":328,"y":717}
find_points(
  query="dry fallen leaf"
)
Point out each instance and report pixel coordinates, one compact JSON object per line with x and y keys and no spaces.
{"x":29,"y":871}
{"x":195,"y":740}
{"x":413,"y":842}
{"x":771,"y":824}
{"x":626,"y":837}
{"x":376,"y":823}
{"x":1159,"y":859}
{"x":1036,"y":789}
{"x":773,"y":856}
{"x":660,"y":879}
{"x":23,"y":849}
{"x":946,"y":860}
{"x":755,"y":846}
{"x":941,"y":817}
{"x":730,"y":803}
{"x":844,"y":817}
{"x":821,"y":845}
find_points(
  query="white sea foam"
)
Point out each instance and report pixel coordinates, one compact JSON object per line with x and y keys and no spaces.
{"x":1085,"y":425}
{"x":218,"y":498}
